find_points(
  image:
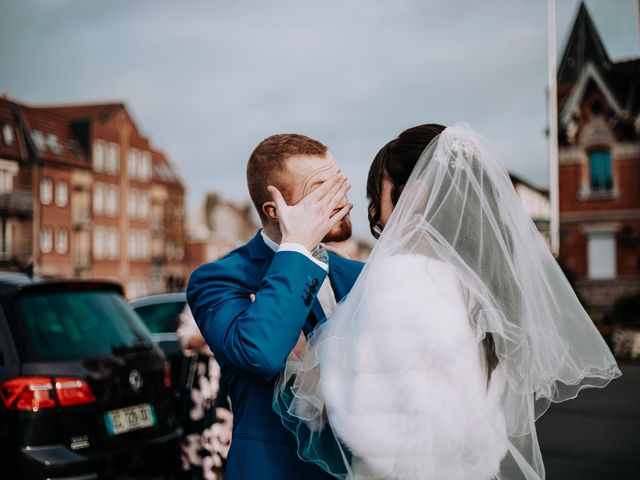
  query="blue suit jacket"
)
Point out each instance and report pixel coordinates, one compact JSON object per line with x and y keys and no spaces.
{"x":251,"y":341}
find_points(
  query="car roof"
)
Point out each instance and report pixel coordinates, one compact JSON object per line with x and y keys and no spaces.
{"x":12,"y":281}
{"x":159,"y":298}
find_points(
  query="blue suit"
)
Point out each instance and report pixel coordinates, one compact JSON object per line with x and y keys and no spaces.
{"x":251,"y":341}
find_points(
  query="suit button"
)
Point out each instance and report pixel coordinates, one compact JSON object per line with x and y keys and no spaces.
{"x":315,"y":282}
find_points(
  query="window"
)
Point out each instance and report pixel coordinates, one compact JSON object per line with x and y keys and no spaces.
{"x":72,"y":325}
{"x":7,"y":134}
{"x":98,"y":156}
{"x":98,"y":242}
{"x":145,"y":242}
{"x":161,"y":317}
{"x":6,"y":181}
{"x":38,"y":139}
{"x":53,"y":144}
{"x":131,"y":202}
{"x":602,"y":254}
{"x":62,"y":240}
{"x":98,"y":198}
{"x":112,"y":163}
{"x":46,"y":191}
{"x":62,"y":193}
{"x":46,"y":239}
{"x":600,"y":170}
{"x":133,"y":245}
{"x":112,"y":243}
{"x":143,"y":205}
{"x":6,"y":235}
{"x":111,"y":203}
{"x":144,"y":170}
{"x":171,"y":249}
{"x":132,"y":162}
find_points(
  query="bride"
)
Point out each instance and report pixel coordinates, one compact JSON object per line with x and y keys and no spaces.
{"x":456,"y":337}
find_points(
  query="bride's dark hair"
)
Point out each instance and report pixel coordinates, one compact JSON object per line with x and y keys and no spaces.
{"x":395,"y":161}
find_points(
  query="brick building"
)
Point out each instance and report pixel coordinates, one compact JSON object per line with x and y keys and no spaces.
{"x":217,"y":227}
{"x":599,"y":127}
{"x":83,"y":193}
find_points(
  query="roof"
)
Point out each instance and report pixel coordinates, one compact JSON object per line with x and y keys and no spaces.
{"x":14,"y":281}
{"x":62,"y":133}
{"x":162,"y":169}
{"x":586,"y":65}
{"x":39,"y":134}
{"x":86,"y":111}
{"x":517,"y":179}
{"x":584,"y":45}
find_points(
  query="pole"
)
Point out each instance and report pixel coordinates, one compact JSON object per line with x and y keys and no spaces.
{"x":554,"y":187}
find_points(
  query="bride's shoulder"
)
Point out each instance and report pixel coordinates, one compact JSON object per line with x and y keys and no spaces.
{"x":401,"y":269}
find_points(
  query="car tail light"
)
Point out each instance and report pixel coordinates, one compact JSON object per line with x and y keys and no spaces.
{"x":36,"y":393}
{"x":167,"y":374}
{"x":28,"y":393}
{"x":73,"y":391}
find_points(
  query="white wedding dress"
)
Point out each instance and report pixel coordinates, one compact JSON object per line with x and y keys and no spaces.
{"x":394,"y":384}
{"x":415,"y":402}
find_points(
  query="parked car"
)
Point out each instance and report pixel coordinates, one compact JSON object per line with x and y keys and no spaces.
{"x":84,"y":391}
{"x":161,"y":315}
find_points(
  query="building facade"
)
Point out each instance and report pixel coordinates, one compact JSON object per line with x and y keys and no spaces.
{"x":85,"y":194}
{"x":217,"y":227}
{"x":599,"y":156}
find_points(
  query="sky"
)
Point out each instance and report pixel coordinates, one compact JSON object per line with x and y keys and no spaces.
{"x":208,"y":80}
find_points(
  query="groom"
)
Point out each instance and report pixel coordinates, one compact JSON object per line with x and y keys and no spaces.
{"x":252,"y":305}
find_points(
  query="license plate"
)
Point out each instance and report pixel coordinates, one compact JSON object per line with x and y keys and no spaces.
{"x":129,"y":418}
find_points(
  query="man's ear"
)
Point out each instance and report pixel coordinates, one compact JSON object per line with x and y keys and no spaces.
{"x":269,"y":210}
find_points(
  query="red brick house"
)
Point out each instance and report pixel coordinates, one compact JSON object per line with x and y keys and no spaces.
{"x":77,"y":185}
{"x":599,"y":138}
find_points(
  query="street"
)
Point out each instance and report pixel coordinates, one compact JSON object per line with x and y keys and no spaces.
{"x":597,"y":435}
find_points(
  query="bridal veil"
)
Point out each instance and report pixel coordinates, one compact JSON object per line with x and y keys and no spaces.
{"x":459,"y":206}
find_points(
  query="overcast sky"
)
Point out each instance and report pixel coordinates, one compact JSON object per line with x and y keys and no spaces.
{"x":207,"y":80}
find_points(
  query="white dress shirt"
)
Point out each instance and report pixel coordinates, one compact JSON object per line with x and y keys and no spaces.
{"x":325,"y":295}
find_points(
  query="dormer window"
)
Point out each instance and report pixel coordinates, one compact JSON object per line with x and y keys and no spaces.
{"x":7,"y":134}
{"x":600,"y":171}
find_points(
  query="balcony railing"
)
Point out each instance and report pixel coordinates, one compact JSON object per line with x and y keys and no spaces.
{"x":17,"y":203}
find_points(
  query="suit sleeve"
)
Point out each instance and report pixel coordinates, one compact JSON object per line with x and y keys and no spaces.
{"x":254,"y":337}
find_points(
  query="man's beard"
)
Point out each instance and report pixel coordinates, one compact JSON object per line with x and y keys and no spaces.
{"x":340,"y":232}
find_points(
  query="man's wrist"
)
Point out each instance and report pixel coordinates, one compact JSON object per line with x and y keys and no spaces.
{"x":300,"y":248}
{"x":299,"y":241}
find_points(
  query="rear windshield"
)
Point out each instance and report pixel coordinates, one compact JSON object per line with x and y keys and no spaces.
{"x":161,"y":317}
{"x":72,"y":325}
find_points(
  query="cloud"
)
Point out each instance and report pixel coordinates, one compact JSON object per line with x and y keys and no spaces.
{"x":208,"y":80}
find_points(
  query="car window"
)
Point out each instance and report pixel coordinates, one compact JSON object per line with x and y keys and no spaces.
{"x":161,"y":317}
{"x":69,"y":325}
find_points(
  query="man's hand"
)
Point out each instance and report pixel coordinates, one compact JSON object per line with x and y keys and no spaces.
{"x":308,"y":221}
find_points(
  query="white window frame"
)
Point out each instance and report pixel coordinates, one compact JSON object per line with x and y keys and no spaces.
{"x":6,"y":237}
{"x":132,"y":202}
{"x":111,"y":203}
{"x":601,"y":252}
{"x":113,"y":243}
{"x":7,"y":134}
{"x":133,"y":156}
{"x":98,"y":198}
{"x":46,"y":190}
{"x":62,"y":193}
{"x":62,"y":240}
{"x":46,"y":239}
{"x":132,"y":250}
{"x":98,"y":156}
{"x":99,"y":243}
{"x":144,"y":169}
{"x":143,"y":205}
{"x":112,"y":160}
